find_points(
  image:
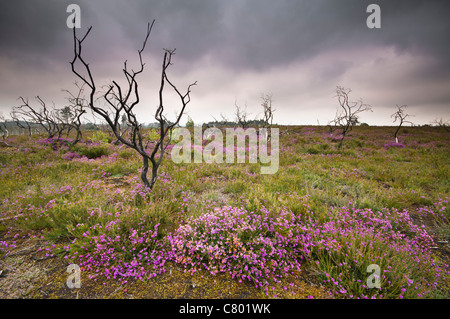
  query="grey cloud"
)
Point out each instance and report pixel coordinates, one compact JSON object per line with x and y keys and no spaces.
{"x":31,"y":30}
{"x":240,"y":36}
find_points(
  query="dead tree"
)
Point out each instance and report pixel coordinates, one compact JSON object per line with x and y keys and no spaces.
{"x":121,"y":101}
{"x":347,"y":115}
{"x":336,"y":123}
{"x":4,"y":130}
{"x":45,"y":117}
{"x":76,"y":109}
{"x":122,"y":127}
{"x":401,"y":116}
{"x":268,"y":111}
{"x":21,"y":122}
{"x":442,"y":123}
{"x":241,"y":116}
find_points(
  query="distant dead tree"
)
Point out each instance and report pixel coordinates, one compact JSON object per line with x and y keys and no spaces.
{"x":241,"y":116}
{"x":21,"y":122}
{"x":347,"y":115}
{"x":268,"y":110}
{"x":401,"y":116}
{"x":3,"y":129}
{"x":442,"y":123}
{"x":52,"y":120}
{"x":122,"y":100}
{"x":73,"y":113}
{"x":44,"y":116}
{"x":223,"y":120}
{"x":223,"y":123}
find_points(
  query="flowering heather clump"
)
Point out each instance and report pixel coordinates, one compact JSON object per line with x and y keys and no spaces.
{"x":336,"y":138}
{"x":392,"y":144}
{"x":92,"y":143}
{"x":354,"y":239}
{"x":137,"y":254}
{"x":258,"y":247}
{"x":56,"y":143}
{"x":71,"y":155}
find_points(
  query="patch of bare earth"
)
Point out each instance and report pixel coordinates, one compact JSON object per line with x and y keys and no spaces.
{"x":441,"y":247}
{"x":23,"y":266}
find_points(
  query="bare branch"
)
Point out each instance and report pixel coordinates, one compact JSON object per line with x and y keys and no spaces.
{"x":267,"y":109}
{"x":401,"y":116}
{"x":348,"y":114}
{"x":121,"y":101}
{"x":241,"y":116}
{"x":46,"y":117}
{"x":442,"y":123}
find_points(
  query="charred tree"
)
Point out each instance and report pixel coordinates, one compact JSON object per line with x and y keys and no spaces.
{"x":401,"y":116}
{"x":122,"y":101}
{"x":347,"y":115}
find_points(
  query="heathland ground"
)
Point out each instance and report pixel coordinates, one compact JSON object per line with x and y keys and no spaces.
{"x":225,"y":230}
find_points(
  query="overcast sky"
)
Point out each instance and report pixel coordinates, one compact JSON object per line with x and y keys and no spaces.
{"x":236,"y":50}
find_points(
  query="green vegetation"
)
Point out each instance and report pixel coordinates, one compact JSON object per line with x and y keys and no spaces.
{"x":369,"y":201}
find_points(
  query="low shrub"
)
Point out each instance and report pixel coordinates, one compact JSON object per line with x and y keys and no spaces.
{"x":320,"y":148}
{"x":71,"y":155}
{"x":352,"y":240}
{"x":125,"y":153}
{"x":257,"y":247}
{"x":55,"y":143}
{"x":99,"y":136}
{"x":393,"y":144}
{"x":92,"y":151}
{"x":119,"y":169}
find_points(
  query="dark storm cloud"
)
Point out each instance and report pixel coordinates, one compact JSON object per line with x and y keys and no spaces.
{"x":298,"y":48}
{"x":30,"y":25}
{"x":258,"y":34}
{"x":240,"y":34}
{"x":32,"y":30}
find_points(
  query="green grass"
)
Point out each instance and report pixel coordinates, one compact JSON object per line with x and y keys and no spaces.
{"x":313,"y":179}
